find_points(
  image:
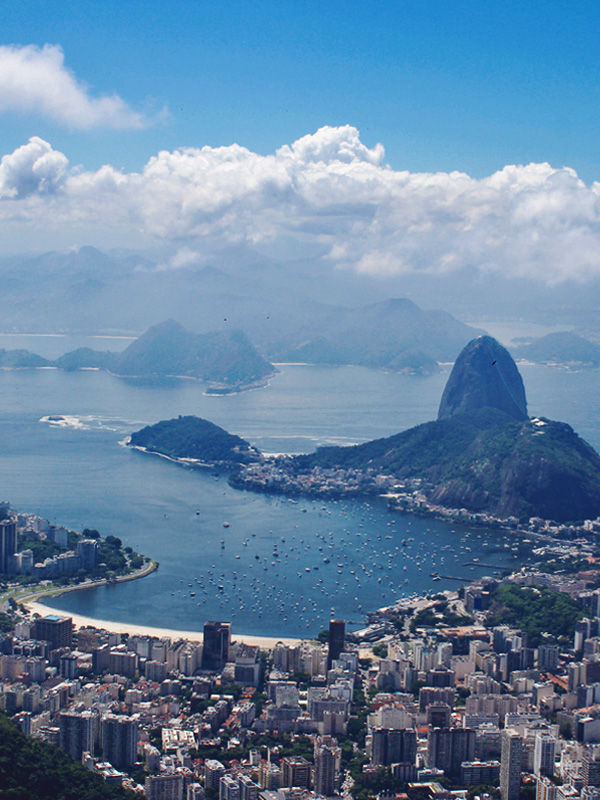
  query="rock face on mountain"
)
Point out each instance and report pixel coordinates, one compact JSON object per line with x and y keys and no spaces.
{"x":484,"y":376}
{"x":227,"y":360}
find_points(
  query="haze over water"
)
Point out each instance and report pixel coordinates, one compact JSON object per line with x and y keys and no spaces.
{"x":283,"y":567}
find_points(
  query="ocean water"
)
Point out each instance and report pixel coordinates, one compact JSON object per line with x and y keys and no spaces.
{"x":281,"y":567}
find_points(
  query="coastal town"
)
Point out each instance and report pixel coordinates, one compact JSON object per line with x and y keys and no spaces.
{"x":491,"y":690}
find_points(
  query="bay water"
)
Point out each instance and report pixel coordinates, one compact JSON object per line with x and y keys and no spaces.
{"x":279,"y":567}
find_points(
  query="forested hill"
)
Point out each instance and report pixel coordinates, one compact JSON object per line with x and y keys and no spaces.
{"x":31,"y":769}
{"x":196,"y":438}
{"x":226,"y":359}
{"x":486,"y":461}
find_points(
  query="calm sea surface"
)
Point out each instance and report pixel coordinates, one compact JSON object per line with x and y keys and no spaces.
{"x":282,"y":567}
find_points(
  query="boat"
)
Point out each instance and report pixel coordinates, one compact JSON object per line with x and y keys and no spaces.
{"x":226,"y":525}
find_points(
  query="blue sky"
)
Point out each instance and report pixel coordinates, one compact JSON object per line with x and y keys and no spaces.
{"x":384,"y":138}
{"x":442,"y":85}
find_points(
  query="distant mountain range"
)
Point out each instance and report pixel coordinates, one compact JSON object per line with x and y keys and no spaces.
{"x":302,"y":312}
{"x":394,"y":334}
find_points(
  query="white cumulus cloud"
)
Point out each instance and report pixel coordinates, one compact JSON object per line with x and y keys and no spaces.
{"x":327,"y":193}
{"x":33,"y":168}
{"x":35,"y":80}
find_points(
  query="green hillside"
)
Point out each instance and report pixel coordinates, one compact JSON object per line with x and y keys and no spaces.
{"x":486,"y":461}
{"x":193,"y":437}
{"x":31,"y":769}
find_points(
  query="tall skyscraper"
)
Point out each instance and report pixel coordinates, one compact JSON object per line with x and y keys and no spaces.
{"x":510,"y":764}
{"x":217,"y":641}
{"x":544,"y":754}
{"x":295,"y":771}
{"x":119,"y":740}
{"x":389,"y":746}
{"x":8,"y":542}
{"x":248,"y":789}
{"x":79,"y":733}
{"x":337,"y":632}
{"x":87,"y":550}
{"x":327,"y":765}
{"x":58,"y":631}
{"x":447,"y":748}
{"x":229,"y":788}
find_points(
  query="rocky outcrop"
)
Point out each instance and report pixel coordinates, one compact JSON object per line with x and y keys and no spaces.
{"x":484,"y":376}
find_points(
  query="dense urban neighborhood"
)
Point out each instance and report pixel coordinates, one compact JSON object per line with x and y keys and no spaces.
{"x":491,"y":690}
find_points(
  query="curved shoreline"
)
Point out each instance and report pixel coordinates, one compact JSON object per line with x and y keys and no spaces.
{"x":149,"y":567}
{"x":33,"y":602}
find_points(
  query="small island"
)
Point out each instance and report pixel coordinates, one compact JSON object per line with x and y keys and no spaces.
{"x":194,"y":442}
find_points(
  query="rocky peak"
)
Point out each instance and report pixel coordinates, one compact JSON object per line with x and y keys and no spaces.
{"x":484,"y":376}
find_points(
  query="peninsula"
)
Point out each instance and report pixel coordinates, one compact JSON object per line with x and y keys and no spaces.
{"x":483,"y":456}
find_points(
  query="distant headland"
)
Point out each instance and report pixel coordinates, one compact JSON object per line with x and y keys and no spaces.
{"x":226,"y":361}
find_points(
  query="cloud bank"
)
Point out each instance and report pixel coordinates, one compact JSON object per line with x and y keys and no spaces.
{"x":35,"y":80}
{"x":327,"y":189}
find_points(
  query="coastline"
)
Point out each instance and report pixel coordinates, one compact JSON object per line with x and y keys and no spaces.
{"x":36,"y":605}
{"x":132,"y":628}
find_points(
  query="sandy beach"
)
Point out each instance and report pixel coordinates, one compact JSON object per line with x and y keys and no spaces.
{"x":79,"y":621}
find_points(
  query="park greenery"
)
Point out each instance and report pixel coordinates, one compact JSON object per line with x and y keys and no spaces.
{"x":539,"y":612}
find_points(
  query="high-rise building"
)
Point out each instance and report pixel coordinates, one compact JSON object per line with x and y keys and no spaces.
{"x":119,"y":740}
{"x":269,"y":776}
{"x":545,"y":789}
{"x":447,"y":748}
{"x":248,"y":789}
{"x":337,"y":633}
{"x":229,"y":788}
{"x":57,"y":631}
{"x":8,"y":542}
{"x":544,"y":754}
{"x":69,"y":666}
{"x":590,"y":766}
{"x":295,"y":771}
{"x":327,"y":765}
{"x":510,"y":764}
{"x":476,"y":773}
{"x":548,"y":657}
{"x":213,"y":771}
{"x":87,"y":550}
{"x":164,"y":787}
{"x":216,"y":644}
{"x":79,"y":733}
{"x":390,"y":746}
